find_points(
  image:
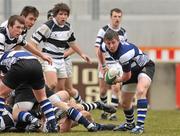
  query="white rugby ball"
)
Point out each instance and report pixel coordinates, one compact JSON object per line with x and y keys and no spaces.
{"x":111,"y":75}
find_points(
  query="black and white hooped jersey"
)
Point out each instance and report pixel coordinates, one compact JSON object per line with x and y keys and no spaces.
{"x":55,"y":38}
{"x":24,"y":32}
{"x":99,"y":40}
{"x":128,"y":55}
{"x":7,"y":43}
{"x":11,"y":57}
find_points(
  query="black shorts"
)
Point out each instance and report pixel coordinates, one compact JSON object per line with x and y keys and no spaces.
{"x":24,"y":93}
{"x":25,"y":72}
{"x":148,"y":69}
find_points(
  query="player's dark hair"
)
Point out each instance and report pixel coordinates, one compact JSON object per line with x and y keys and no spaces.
{"x":49,"y":14}
{"x":29,"y":10}
{"x":60,"y":7}
{"x":13,"y":18}
{"x":110,"y":35}
{"x":115,"y":10}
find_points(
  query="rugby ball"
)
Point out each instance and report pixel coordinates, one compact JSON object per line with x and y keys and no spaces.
{"x":110,"y":75}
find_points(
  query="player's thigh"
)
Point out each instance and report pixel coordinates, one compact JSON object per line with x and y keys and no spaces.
{"x":144,"y":82}
{"x":69,"y":68}
{"x":50,"y":74}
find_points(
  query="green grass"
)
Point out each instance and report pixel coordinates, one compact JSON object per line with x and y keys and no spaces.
{"x":158,"y":123}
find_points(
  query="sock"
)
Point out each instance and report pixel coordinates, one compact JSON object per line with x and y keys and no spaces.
{"x":129,"y":114}
{"x":24,"y":116}
{"x":104,"y":99}
{"x":89,"y":106}
{"x":115,"y":101}
{"x":47,"y":109}
{"x":141,"y":111}
{"x":75,"y":115}
{"x":78,"y":98}
{"x":2,"y":103}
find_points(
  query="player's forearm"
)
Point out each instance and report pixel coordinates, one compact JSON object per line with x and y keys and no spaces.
{"x":100,"y":57}
{"x":69,"y":52}
{"x":32,"y":48}
{"x":76,"y":48}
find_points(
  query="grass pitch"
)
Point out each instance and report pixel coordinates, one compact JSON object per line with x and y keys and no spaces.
{"x":158,"y":123}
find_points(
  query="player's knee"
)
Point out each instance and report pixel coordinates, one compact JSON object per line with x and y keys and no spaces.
{"x":52,"y":86}
{"x":141,"y":93}
{"x":71,"y":91}
{"x":125,"y":105}
{"x":87,"y":115}
{"x":64,"y":95}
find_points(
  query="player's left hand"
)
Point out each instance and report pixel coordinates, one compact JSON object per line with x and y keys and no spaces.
{"x":86,"y":58}
{"x":47,"y":58}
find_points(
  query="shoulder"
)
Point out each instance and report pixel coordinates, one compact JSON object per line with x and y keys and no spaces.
{"x":127,"y":52}
{"x":105,"y":28}
{"x":123,"y":30}
{"x":2,"y":34}
{"x":49,"y":23}
{"x":67,"y":24}
{"x":4,"y":24}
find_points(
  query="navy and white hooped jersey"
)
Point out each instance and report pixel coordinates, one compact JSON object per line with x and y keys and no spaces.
{"x":99,"y":40}
{"x":9,"y":58}
{"x":7,"y":43}
{"x":128,"y":55}
{"x":55,"y":38}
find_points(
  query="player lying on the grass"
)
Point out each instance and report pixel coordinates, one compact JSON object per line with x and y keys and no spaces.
{"x":24,"y":101}
{"x":21,"y":67}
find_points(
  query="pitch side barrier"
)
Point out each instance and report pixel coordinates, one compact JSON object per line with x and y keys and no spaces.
{"x":167,"y":55}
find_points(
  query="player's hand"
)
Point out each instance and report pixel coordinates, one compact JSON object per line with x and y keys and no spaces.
{"x":86,"y":58}
{"x":104,"y":68}
{"x":47,"y":58}
{"x":117,"y":80}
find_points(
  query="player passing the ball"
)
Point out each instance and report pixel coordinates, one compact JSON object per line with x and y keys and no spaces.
{"x":138,"y":70}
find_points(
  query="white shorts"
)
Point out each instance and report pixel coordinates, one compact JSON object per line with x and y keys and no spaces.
{"x":68,"y":63}
{"x":58,"y":66}
{"x":115,"y":65}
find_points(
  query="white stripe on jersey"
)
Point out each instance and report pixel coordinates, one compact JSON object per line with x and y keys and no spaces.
{"x":127,"y":56}
{"x":62,"y":36}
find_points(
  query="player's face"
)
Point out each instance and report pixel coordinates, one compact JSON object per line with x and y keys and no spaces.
{"x":112,"y":45}
{"x":62,"y":17}
{"x":30,"y":20}
{"x":16,"y":30}
{"x":116,"y":19}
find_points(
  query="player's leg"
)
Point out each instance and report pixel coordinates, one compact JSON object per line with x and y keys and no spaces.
{"x":72,"y":91}
{"x":69,"y":85}
{"x":115,"y":99}
{"x":144,"y":81}
{"x":61,"y":75}
{"x":103,"y":95}
{"x":72,"y":113}
{"x":37,"y":82}
{"x":50,"y":75}
{"x":126,"y":103}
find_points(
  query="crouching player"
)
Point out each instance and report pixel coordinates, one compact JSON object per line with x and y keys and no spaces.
{"x":137,"y":69}
{"x":21,"y":67}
